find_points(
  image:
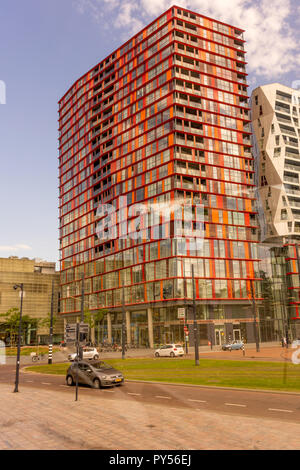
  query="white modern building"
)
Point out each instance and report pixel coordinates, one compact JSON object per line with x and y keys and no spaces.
{"x":276,"y":121}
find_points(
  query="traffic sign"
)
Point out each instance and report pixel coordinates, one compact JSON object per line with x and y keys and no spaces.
{"x":181,"y":312}
{"x":83,"y":333}
{"x":70,"y":333}
{"x":70,"y":327}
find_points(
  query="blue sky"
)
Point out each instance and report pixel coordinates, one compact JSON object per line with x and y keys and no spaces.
{"x":45,"y":45}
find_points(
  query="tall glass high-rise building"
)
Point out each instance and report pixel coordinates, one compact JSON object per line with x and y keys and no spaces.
{"x":276,"y":127}
{"x":156,"y":175}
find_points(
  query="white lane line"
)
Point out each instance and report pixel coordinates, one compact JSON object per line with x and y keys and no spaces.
{"x":65,"y":386}
{"x":108,"y":391}
{"x":31,"y":381}
{"x":134,"y":394}
{"x":235,"y":404}
{"x":46,"y":383}
{"x":277,"y":409}
{"x":197,"y":401}
{"x":159,"y":396}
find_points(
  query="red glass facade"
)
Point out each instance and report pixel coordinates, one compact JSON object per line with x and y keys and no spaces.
{"x":163,"y":120}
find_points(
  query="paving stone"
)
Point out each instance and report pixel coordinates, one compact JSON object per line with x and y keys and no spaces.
{"x":53,"y":421}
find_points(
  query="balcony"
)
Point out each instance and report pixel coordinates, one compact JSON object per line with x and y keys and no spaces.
{"x":285,"y":98}
{"x":291,"y":143}
{"x":289,"y":179}
{"x":190,"y":130}
{"x":287,"y":131}
{"x":188,"y":171}
{"x":282,"y":108}
{"x":292,"y":155}
{"x":293,"y":191}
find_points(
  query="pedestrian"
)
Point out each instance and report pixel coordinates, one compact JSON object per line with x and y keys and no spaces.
{"x":282,"y":342}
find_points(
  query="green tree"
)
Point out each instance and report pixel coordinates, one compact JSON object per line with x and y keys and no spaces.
{"x":46,"y":321}
{"x":93,"y":318}
{"x":11,"y":320}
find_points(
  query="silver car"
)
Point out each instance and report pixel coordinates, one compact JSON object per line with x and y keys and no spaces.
{"x":88,"y":353}
{"x":96,"y":374}
{"x":234,"y":345}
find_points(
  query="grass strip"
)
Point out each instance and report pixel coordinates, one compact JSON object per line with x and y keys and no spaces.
{"x":25,"y":351}
{"x":223,"y":373}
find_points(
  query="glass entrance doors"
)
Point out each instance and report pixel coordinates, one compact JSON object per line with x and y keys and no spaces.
{"x":237,"y":335}
{"x":219,"y":335}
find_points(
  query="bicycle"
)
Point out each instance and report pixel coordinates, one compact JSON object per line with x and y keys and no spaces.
{"x":37,"y":357}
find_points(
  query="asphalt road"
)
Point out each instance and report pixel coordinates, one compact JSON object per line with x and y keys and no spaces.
{"x":279,"y":406}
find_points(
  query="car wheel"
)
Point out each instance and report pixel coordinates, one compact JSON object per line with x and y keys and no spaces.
{"x":97,"y":383}
{"x":156,"y":354}
{"x":96,"y":357}
{"x":70,"y":380}
{"x":172,"y":354}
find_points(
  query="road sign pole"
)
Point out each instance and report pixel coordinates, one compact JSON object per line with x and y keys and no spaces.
{"x":195,"y":321}
{"x":51,"y":327}
{"x":82,"y":312}
{"x":184,"y":332}
{"x":123,"y":323}
{"x":76,"y":359}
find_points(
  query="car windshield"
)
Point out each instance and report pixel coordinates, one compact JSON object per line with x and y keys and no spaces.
{"x":178,"y":346}
{"x":101,"y":365}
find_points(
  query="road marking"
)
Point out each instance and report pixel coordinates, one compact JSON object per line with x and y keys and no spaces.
{"x":108,"y":391}
{"x":31,"y":381}
{"x":65,"y":386}
{"x":46,"y":383}
{"x":159,"y":396}
{"x":197,"y":401}
{"x":235,"y":404}
{"x":134,"y":394}
{"x":277,"y":409}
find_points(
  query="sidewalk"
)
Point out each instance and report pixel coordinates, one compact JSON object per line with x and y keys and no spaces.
{"x":268,"y":352}
{"x":41,"y":419}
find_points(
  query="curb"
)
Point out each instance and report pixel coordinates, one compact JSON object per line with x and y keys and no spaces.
{"x":214,"y":387}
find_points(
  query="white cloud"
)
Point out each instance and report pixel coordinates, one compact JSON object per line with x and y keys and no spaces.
{"x":272,"y":33}
{"x":17,"y":247}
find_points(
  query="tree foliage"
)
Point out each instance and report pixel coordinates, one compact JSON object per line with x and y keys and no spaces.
{"x":92,"y":318}
{"x":46,"y":321}
{"x":11,"y":321}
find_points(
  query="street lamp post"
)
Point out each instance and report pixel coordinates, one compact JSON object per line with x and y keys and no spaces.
{"x":195,"y":321}
{"x":80,"y":350}
{"x":254,"y":317}
{"x":123,"y":323}
{"x":19,"y":286}
{"x":185,"y":312}
{"x":51,"y":327}
{"x":298,"y":264}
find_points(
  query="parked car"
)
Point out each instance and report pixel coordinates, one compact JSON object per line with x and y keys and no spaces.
{"x":96,"y":374}
{"x":296,"y":343}
{"x":233,"y":345}
{"x":170,"y":350}
{"x":88,"y":353}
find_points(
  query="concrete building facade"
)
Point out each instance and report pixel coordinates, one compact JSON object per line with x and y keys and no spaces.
{"x":37,"y":277}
